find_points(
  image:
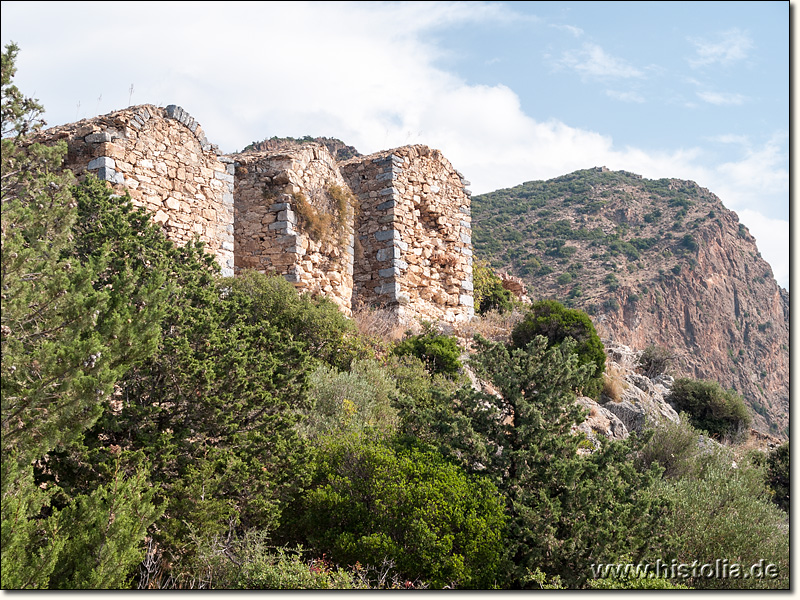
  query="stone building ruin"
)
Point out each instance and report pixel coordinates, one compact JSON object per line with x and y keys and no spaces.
{"x":391,"y":229}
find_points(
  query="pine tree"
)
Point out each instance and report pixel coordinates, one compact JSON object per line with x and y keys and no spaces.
{"x":67,"y":336}
{"x":566,"y":510}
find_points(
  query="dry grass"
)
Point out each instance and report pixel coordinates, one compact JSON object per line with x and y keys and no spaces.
{"x":378,"y":324}
{"x":493,"y":325}
{"x":614,"y":384}
{"x":317,"y":224}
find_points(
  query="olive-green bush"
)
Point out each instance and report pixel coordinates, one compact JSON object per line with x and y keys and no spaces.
{"x":720,"y":412}
{"x":556,"y":322}
{"x":439,"y":352}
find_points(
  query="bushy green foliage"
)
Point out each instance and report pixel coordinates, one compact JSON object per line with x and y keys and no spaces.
{"x":316,"y":323}
{"x":521,"y":439}
{"x":554,"y":321}
{"x":357,"y":401}
{"x":439,"y":352}
{"x":217,"y":407}
{"x":73,"y":322}
{"x":104,"y":532}
{"x":489,"y":293}
{"x":672,"y":446}
{"x":723,"y":511}
{"x":253,"y":563}
{"x":719,"y":412}
{"x":369,"y":502}
{"x":778,"y":474}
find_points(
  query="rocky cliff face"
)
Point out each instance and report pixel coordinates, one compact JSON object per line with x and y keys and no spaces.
{"x":654,"y":262}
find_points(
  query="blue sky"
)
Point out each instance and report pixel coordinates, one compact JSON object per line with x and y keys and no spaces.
{"x":510,"y":92}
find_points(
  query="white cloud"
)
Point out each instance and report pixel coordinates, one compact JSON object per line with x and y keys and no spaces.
{"x":726,"y":48}
{"x":730,"y":138}
{"x":722,"y":99}
{"x":571,"y":29}
{"x":591,"y":61}
{"x":625,"y":96}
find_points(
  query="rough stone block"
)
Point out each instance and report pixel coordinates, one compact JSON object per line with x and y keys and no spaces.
{"x":106,"y":173}
{"x":99,"y":137}
{"x":100,"y":162}
{"x":389,"y":273}
{"x":386,"y":205}
{"x":390,"y":253}
{"x":284,"y":227}
{"x":466,"y":300}
{"x":400,"y":244}
{"x":287,"y":215}
{"x":392,"y":289}
{"x":391,"y":234}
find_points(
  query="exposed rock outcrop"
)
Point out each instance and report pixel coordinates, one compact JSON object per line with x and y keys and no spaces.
{"x":655,"y":262}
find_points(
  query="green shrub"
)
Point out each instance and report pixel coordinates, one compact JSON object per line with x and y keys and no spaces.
{"x":674,"y":446}
{"x":489,"y":293}
{"x":436,"y":524}
{"x":316,"y":323}
{"x":557,"y":323}
{"x":358,"y":400}
{"x":439,"y":352}
{"x":723,"y":512}
{"x":710,"y":408}
{"x":778,"y":475}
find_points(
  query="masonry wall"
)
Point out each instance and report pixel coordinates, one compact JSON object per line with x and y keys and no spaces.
{"x":294,"y":216}
{"x":391,"y":229}
{"x":163,"y":159}
{"x":414,"y":234}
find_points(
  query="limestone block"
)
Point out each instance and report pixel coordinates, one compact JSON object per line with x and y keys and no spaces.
{"x":100,"y":136}
{"x":106,"y":173}
{"x":101,"y":162}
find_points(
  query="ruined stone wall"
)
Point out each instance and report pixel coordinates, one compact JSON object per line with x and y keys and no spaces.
{"x":163,"y":159}
{"x":294,"y":216}
{"x":391,"y":229}
{"x":414,"y":233}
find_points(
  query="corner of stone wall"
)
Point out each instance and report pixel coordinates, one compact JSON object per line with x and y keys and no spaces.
{"x":170,"y":170}
{"x":415,"y":232}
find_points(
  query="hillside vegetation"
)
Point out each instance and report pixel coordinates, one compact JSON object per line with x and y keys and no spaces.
{"x":167,"y":428}
{"x":654,"y":262}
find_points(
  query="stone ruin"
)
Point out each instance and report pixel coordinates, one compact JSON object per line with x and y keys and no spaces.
{"x":391,"y":229}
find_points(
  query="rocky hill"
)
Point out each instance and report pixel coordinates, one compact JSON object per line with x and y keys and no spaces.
{"x":655,"y":262}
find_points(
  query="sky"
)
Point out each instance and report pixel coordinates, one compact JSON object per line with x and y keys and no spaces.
{"x":509,"y":91}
